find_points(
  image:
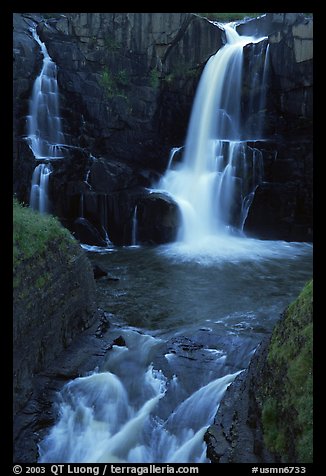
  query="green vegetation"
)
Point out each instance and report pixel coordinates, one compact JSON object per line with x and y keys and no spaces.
{"x":122,"y":78}
{"x":226,"y":17}
{"x":288,"y":395}
{"x":107,"y":82}
{"x":33,"y":233}
{"x":115,"y":85}
{"x":154,"y":78}
{"x":181,"y":71}
{"x":111,"y":44}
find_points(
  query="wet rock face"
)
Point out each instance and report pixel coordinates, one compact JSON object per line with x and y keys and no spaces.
{"x":283,"y":203}
{"x":236,"y":435}
{"x":282,"y":206}
{"x":291,"y":50}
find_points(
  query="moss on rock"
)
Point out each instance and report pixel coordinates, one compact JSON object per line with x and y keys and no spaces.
{"x":33,"y":232}
{"x":287,"y":396}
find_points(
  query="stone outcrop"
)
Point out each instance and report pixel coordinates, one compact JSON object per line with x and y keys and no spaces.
{"x":157,"y":219}
{"x":53,"y":302}
{"x":83,"y":355}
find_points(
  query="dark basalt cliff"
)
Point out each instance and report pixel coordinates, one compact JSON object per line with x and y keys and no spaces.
{"x":127,"y":83}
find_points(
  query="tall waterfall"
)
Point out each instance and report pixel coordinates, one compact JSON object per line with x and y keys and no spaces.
{"x":44,"y":130}
{"x":45,"y":134}
{"x":215,"y":183}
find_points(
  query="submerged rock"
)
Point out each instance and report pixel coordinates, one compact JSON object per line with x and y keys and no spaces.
{"x":119,"y":341}
{"x":99,"y":272}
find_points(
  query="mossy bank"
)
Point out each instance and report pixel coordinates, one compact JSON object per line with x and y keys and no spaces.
{"x":53,"y":295}
{"x":287,"y":395}
{"x":266,"y":415}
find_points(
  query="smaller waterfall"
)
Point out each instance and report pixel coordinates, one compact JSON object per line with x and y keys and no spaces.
{"x":103,"y":211}
{"x":45,"y":136}
{"x":44,"y":131}
{"x":86,"y":179}
{"x":39,"y":199}
{"x":134,"y":228}
{"x":256,"y":168}
{"x":174,"y":150}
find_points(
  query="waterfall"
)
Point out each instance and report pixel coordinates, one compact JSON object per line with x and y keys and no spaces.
{"x":44,"y":131}
{"x":134,"y":228}
{"x":39,"y":189}
{"x":215,"y":183}
{"x":174,"y":150}
{"x":45,"y":136}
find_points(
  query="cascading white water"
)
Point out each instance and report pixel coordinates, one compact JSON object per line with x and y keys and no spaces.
{"x":44,"y":131}
{"x":208,"y":185}
{"x":115,"y":416}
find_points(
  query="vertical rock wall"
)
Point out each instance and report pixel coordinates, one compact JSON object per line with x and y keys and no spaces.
{"x":283,"y":203}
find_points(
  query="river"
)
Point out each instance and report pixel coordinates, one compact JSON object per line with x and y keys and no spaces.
{"x":191,"y":318}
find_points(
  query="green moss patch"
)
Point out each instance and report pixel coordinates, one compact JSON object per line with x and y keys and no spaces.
{"x":33,"y":234}
{"x":288,"y":395}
